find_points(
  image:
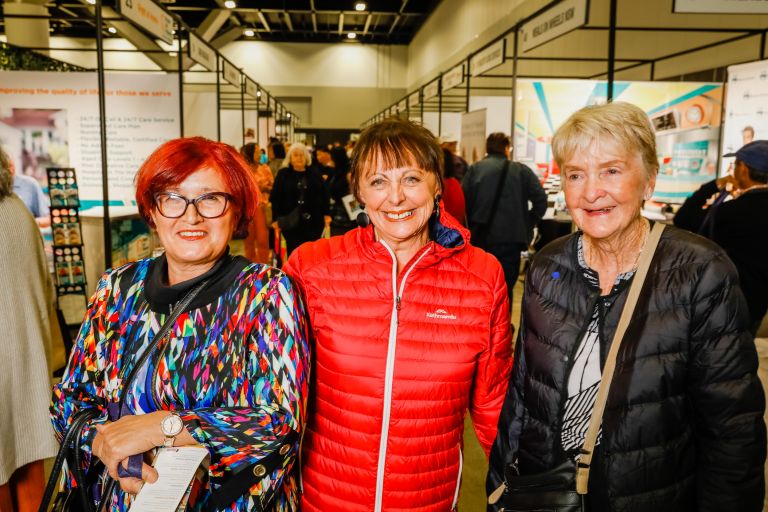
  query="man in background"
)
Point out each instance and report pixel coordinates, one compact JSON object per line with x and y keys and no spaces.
{"x":30,"y":192}
{"x":497,"y":193}
{"x":733,"y":212}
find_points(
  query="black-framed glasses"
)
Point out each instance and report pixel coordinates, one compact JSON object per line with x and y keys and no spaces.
{"x":208,"y":206}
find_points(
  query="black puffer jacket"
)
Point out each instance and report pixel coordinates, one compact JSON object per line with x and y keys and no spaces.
{"x":683,"y":427}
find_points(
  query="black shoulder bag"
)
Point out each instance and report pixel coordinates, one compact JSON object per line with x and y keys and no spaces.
{"x":480,"y":233}
{"x":563,"y":488}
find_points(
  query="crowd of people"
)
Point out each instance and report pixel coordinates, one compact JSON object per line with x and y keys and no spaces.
{"x":341,"y":381}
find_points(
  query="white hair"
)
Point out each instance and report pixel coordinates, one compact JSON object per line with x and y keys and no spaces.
{"x":296,"y":148}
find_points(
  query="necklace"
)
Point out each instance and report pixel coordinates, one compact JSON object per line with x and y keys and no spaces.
{"x":587,"y":246}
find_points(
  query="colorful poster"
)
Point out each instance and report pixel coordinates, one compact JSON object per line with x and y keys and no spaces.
{"x":686,"y":116}
{"x":746,"y":107}
{"x":51,"y":119}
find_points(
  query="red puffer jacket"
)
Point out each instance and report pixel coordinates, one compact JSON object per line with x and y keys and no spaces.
{"x":398,"y":360}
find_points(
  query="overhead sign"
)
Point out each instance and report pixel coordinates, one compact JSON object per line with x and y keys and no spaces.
{"x":231,"y":73}
{"x":403,"y":105}
{"x":201,"y":53}
{"x":251,"y":89}
{"x":413,"y":99}
{"x":149,"y":16}
{"x":721,"y":6}
{"x":487,"y":59}
{"x":453,"y":77}
{"x":431,"y":90}
{"x":559,"y":20}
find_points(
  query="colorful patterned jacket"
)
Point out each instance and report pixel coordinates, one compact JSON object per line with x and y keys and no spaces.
{"x":236,"y":369}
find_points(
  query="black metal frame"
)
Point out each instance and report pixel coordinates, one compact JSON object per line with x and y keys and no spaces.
{"x":611,"y":60}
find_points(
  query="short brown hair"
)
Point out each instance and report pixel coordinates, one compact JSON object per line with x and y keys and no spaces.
{"x":394,"y":143}
{"x":496,"y":143}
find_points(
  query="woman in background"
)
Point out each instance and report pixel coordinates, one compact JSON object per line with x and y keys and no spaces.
{"x":299,"y":198}
{"x":338,"y":185}
{"x":453,"y":195}
{"x":257,"y":241}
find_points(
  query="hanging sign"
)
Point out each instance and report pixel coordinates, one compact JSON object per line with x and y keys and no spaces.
{"x":231,"y":73}
{"x":453,"y":77}
{"x":201,"y":53}
{"x":721,"y":6}
{"x":251,"y":89}
{"x":487,"y":59}
{"x":413,"y":99}
{"x":559,"y":20}
{"x":403,"y":105}
{"x":431,"y":90}
{"x":149,"y":16}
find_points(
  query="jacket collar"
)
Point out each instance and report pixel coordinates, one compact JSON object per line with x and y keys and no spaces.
{"x":446,"y":235}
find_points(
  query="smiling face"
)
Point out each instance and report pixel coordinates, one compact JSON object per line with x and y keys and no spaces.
{"x":604,"y":189}
{"x":399,"y":203}
{"x":193,"y":243}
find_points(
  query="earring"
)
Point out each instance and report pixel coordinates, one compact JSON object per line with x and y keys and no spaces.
{"x":363,"y":220}
{"x":437,"y":206}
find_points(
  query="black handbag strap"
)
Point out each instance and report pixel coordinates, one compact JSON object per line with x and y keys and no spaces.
{"x":69,"y":443}
{"x":482,"y":232}
{"x":238,"y":484}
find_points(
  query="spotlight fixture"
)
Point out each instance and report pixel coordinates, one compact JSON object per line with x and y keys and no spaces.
{"x":351,"y":35}
{"x":249,"y":32}
{"x":289,"y":115}
{"x":112,"y":30}
{"x":360,"y":6}
{"x":92,"y":2}
{"x":230,"y":4}
{"x":258,"y":94}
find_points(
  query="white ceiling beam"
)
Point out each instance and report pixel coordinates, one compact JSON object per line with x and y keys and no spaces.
{"x":288,"y":21}
{"x":264,"y":21}
{"x":341,"y":22}
{"x":212,"y":24}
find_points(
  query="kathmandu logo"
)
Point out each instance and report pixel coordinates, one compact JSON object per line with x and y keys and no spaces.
{"x":441,"y":314}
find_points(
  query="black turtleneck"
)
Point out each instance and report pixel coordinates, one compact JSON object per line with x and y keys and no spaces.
{"x":162,"y":296}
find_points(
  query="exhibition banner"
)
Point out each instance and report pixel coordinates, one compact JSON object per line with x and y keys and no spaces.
{"x":51,"y":119}
{"x":721,"y":6}
{"x":685,"y":115}
{"x":149,"y":16}
{"x":413,"y":99}
{"x":251,"y":89}
{"x":473,"y":135}
{"x":453,"y":77}
{"x":746,"y":107}
{"x":487,"y":59}
{"x":231,"y":73}
{"x":559,"y":20}
{"x":431,"y":89}
{"x":201,"y":53}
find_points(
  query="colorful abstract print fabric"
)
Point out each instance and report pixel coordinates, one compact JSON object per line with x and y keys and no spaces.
{"x":236,"y":370}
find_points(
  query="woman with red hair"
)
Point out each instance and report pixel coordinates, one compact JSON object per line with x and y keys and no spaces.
{"x":231,"y":373}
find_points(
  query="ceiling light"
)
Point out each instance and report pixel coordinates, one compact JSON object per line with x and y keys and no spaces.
{"x":92,"y":2}
{"x":249,"y":32}
{"x":289,"y":115}
{"x":351,"y":35}
{"x":230,"y":4}
{"x":360,"y":6}
{"x":112,"y":30}
{"x":258,"y":94}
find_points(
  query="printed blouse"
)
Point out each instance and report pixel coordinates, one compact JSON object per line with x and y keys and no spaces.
{"x":235,"y":368}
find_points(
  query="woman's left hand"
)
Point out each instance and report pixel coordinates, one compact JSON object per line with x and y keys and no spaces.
{"x":130,"y":435}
